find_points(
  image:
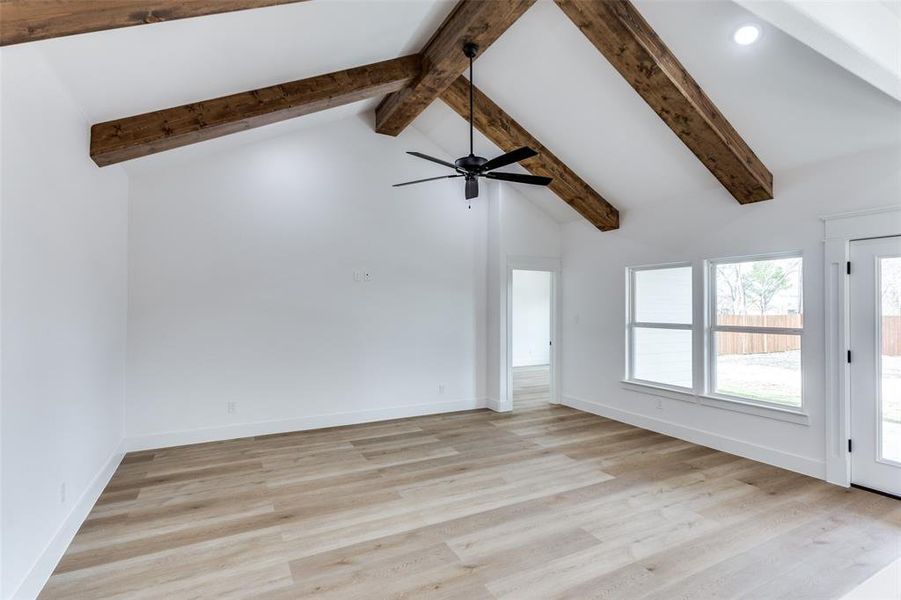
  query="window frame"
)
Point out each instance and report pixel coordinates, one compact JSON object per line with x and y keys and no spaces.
{"x":632,"y":324}
{"x":711,"y":329}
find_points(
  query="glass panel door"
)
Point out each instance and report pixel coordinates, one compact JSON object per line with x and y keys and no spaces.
{"x":875,"y":371}
{"x":890,"y":358}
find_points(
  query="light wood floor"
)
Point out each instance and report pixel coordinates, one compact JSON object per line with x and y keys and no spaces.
{"x":531,"y":388}
{"x":544,"y":503}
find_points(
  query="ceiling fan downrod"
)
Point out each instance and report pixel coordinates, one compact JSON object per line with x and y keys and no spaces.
{"x":470,"y":49}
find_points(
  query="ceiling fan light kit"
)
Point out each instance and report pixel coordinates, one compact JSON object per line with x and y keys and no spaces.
{"x":472,"y":167}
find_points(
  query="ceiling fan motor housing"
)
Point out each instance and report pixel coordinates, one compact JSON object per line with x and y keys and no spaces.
{"x":470,"y":163}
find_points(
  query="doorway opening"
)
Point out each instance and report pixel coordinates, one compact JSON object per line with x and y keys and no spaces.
{"x":531,"y":348}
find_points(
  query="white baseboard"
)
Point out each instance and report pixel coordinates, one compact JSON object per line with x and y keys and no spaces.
{"x":777,"y":458}
{"x":230,"y":432}
{"x":45,"y":564}
{"x":493,"y":404}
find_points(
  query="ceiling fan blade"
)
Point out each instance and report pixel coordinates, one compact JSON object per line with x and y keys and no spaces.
{"x":517,"y":178}
{"x":472,"y":188}
{"x":509,"y":158}
{"x":428,"y":179}
{"x":433,"y":159}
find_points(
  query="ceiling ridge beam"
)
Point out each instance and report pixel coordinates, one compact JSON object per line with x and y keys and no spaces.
{"x":32,"y":20}
{"x":630,"y":44}
{"x":131,"y":137}
{"x":507,"y":134}
{"x":477,"y":21}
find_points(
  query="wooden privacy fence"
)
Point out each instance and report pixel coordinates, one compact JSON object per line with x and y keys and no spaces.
{"x":891,"y":336}
{"x":743,"y":343}
{"x":740,"y":343}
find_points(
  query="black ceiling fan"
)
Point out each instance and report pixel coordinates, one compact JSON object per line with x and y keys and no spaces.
{"x":472,"y":167}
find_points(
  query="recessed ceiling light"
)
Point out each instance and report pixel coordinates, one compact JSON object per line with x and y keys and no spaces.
{"x":746,"y":34}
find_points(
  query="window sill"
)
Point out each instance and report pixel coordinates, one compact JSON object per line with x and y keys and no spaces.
{"x":769,"y":412}
{"x":787,"y":414}
{"x":674,"y":393}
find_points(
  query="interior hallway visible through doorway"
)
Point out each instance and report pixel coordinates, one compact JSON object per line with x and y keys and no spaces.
{"x":531,"y":387}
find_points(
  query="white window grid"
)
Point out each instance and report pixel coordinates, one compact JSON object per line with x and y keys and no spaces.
{"x":713,"y":328}
{"x":632,"y":324}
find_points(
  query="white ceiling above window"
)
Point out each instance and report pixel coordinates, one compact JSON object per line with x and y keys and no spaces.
{"x":862,"y":36}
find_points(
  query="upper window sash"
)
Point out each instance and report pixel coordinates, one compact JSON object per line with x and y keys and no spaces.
{"x":632,"y":312}
{"x":712,"y":300}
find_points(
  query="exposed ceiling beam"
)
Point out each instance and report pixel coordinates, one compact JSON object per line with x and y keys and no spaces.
{"x":501,"y":129}
{"x":477,"y":21}
{"x":621,"y":34}
{"x":32,"y":20}
{"x":131,"y":137}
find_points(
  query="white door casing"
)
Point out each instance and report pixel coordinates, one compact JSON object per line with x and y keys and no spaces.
{"x":530,"y":263}
{"x":839,"y":231}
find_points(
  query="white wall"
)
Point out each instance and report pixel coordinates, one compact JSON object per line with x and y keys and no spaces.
{"x":241,"y":288}
{"x":531,"y":318}
{"x":63,"y":320}
{"x":709,"y":226}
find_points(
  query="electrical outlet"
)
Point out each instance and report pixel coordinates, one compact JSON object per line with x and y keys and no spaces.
{"x":440,"y":388}
{"x":367,"y":276}
{"x":231,"y":407}
{"x":659,"y":404}
{"x":62,"y":493}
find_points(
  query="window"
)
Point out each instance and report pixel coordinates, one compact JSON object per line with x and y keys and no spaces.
{"x":756,"y":326}
{"x":889,"y":357}
{"x":660,"y":325}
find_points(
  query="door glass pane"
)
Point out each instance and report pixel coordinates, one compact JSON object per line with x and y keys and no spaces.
{"x":663,"y":295}
{"x":662,"y":356}
{"x":890,"y":284}
{"x":759,"y":293}
{"x":758,"y":366}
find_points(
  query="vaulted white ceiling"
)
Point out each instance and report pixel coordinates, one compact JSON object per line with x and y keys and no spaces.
{"x":793,"y":106}
{"x":863,"y":36}
{"x":122,"y":72}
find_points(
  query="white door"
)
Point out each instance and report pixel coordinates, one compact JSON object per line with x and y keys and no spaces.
{"x":876,"y":364}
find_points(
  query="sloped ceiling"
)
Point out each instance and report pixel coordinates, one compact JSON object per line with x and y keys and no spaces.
{"x":863,"y":37}
{"x":122,"y":72}
{"x":793,"y":106}
{"x":790,"y":104}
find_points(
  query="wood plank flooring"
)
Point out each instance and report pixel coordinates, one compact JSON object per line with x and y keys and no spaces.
{"x":531,"y":387}
{"x":548,"y":502}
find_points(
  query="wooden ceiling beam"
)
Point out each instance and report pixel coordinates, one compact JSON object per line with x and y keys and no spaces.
{"x":477,"y":21}
{"x":132,"y":137}
{"x":501,"y":129}
{"x":32,"y":20}
{"x":621,"y":34}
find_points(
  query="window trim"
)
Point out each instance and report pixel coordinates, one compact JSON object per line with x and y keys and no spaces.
{"x":711,"y":329}
{"x":774,"y":412}
{"x":632,"y":324}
